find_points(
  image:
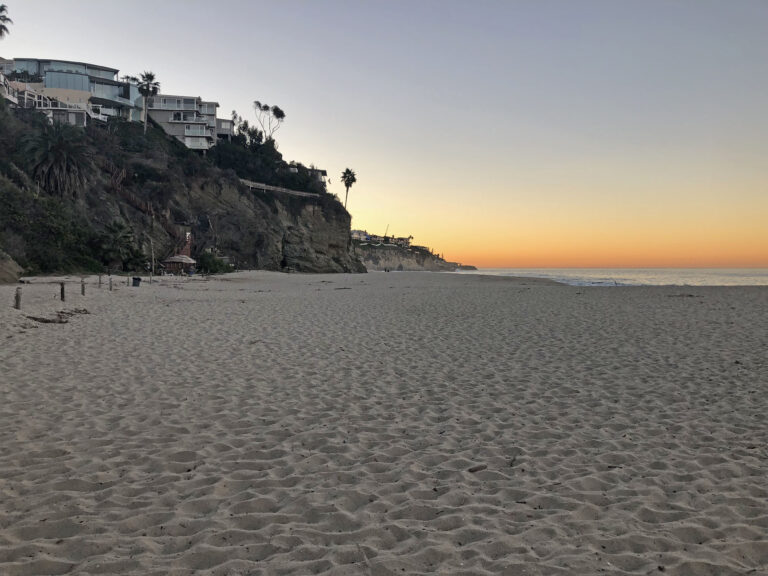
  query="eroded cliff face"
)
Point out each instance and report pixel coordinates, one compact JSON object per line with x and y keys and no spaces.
{"x":279,"y":232}
{"x":316,"y":239}
{"x":400,"y":259}
{"x":261,"y":230}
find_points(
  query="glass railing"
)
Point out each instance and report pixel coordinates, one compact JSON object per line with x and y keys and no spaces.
{"x":111,"y":96}
{"x":196,"y":143}
{"x":184,"y":118}
{"x":158,"y":105}
{"x":195,"y":131}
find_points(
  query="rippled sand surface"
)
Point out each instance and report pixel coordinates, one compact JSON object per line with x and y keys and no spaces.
{"x":380,"y":424}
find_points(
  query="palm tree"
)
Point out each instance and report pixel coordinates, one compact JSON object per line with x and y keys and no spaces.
{"x":117,"y":244}
{"x":348,"y":178}
{"x":59,"y":159}
{"x":4,"y":20}
{"x":148,"y":86}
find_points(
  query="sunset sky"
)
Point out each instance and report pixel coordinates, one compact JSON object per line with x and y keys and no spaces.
{"x":502,"y":134}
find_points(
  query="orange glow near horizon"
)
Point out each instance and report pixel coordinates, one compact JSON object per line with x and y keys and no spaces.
{"x":576,"y":248}
{"x":692,"y":228}
{"x":570,"y":255}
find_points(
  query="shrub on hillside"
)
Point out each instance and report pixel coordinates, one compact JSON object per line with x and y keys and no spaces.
{"x":207,"y":263}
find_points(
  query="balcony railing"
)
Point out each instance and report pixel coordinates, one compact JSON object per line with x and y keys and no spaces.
{"x":11,"y":96}
{"x":111,"y":98}
{"x":155,"y":104}
{"x":195,"y":131}
{"x":187,"y":118}
{"x":196,"y":143}
{"x":98,"y":115}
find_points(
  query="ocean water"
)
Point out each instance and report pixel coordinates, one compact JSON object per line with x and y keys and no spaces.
{"x":639,"y":276}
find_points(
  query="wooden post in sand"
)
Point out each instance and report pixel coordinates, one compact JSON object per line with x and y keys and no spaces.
{"x":61,"y":285}
{"x":17,"y":299}
{"x":110,"y":283}
{"x":152,"y":246}
{"x":82,"y":286}
{"x":99,"y":280}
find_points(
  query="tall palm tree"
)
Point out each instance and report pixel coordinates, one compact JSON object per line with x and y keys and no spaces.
{"x":59,"y":159}
{"x":348,"y":178}
{"x":148,"y":86}
{"x":4,"y":20}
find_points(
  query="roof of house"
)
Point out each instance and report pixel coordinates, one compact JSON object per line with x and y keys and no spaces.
{"x":164,"y":95}
{"x":99,"y":66}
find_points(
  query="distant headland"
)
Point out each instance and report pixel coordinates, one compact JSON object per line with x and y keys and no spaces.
{"x":390,"y":253}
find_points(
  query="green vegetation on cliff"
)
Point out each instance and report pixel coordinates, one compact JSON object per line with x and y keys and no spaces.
{"x":107,"y":197}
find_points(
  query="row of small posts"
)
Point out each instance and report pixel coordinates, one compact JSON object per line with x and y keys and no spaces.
{"x":63,"y":296}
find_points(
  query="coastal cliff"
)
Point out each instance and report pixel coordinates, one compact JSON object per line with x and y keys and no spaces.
{"x":269,"y":231}
{"x":398,"y":258}
{"x":137,"y":197}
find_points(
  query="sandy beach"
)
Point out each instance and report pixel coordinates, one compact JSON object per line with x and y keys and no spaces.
{"x":382,"y":424}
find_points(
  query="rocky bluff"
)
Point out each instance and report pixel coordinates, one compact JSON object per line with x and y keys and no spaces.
{"x":265,"y":230}
{"x":119,"y":197}
{"x":398,"y":258}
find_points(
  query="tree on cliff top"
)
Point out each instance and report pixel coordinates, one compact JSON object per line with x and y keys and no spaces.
{"x":4,"y":20}
{"x":148,"y":86}
{"x":244,"y":134}
{"x":269,"y":118}
{"x":348,"y":178}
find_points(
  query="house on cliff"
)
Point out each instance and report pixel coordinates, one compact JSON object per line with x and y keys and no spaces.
{"x":78,"y":93}
{"x":72,"y":92}
{"x":189,"y":119}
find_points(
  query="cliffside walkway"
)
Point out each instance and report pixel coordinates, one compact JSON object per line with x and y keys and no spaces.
{"x":267,"y":188}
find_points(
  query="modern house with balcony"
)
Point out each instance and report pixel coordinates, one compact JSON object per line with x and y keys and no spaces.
{"x":189,"y":119}
{"x":225,"y":129}
{"x":90,"y":87}
{"x":20,"y":95}
{"x":57,"y":111}
{"x":78,"y":92}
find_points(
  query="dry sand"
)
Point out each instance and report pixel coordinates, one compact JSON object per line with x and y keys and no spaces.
{"x":379,"y":424}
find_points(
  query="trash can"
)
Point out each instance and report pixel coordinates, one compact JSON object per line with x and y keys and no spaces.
{"x":136,"y":281}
